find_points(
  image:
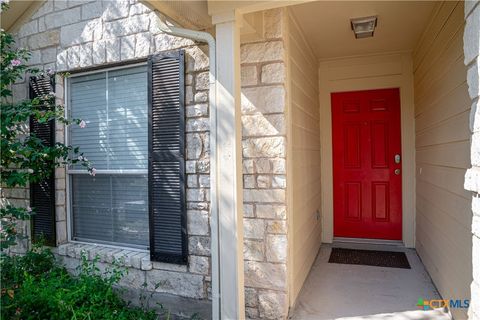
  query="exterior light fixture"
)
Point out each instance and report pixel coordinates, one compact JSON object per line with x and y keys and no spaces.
{"x":364,"y":27}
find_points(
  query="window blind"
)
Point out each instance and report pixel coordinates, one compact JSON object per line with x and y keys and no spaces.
{"x":114,"y":107}
{"x":111,"y":207}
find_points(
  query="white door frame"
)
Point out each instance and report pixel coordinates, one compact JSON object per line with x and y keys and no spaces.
{"x":392,"y":70}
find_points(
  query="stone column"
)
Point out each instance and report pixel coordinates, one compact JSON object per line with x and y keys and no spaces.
{"x":264,"y":170}
{"x":471,"y":40}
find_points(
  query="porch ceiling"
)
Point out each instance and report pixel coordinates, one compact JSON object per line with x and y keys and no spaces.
{"x":16,"y":10}
{"x":326,"y":25}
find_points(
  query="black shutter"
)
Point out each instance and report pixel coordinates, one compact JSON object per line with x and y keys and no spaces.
{"x":166,"y":164}
{"x":42,"y":194}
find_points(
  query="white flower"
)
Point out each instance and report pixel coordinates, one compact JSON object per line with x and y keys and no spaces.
{"x":29,"y":209}
{"x":82,"y":124}
{"x":93,"y":172}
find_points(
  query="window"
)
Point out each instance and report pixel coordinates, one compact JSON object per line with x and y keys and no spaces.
{"x":135,"y":138}
{"x":112,"y":206}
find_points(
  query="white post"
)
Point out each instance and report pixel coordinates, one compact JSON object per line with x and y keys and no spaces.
{"x":229,"y":166}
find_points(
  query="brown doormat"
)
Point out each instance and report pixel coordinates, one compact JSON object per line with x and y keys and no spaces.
{"x":390,"y":259}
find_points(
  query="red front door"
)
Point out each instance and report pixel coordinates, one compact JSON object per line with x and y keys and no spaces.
{"x":367,"y":178}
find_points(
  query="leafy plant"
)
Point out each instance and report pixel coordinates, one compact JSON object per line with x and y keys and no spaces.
{"x":25,"y":158}
{"x":34,"y":286}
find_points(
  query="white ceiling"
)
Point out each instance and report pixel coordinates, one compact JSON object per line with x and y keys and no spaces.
{"x":326,"y":25}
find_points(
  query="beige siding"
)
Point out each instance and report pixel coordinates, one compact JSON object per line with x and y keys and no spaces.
{"x":442,"y":106}
{"x":305,"y":228}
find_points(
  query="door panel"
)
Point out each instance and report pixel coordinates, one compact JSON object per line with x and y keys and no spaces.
{"x":353,"y":201}
{"x":352,"y":145}
{"x":367,"y":181}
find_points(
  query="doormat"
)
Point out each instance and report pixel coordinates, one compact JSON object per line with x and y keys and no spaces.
{"x":389,"y":259}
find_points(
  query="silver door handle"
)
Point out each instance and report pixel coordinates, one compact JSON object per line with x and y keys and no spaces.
{"x":397,"y":158}
{"x":397,"y":172}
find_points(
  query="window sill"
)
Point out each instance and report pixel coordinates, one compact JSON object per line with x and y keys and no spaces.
{"x":130,"y":258}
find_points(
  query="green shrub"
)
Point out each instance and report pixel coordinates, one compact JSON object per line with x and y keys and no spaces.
{"x":34,"y":286}
{"x":25,"y":157}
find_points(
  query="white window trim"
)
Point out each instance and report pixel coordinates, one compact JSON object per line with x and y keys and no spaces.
{"x":69,"y":172}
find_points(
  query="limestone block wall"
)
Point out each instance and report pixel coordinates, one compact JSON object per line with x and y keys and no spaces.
{"x":264,"y":145}
{"x":17,"y":197}
{"x":471,"y":43}
{"x":73,"y":35}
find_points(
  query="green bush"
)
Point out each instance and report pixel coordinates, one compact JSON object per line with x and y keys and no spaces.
{"x":34,"y":286}
{"x":25,"y":158}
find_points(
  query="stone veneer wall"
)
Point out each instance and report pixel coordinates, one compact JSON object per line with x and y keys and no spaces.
{"x":71,"y":35}
{"x":17,"y":197}
{"x":264,"y":170}
{"x":471,"y":42}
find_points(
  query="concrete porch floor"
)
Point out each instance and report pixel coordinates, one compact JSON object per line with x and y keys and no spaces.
{"x":355,"y":292}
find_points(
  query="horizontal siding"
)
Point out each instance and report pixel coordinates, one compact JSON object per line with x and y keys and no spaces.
{"x":449,"y":130}
{"x":438,"y":88}
{"x":442,"y":140}
{"x":305,"y":157}
{"x":454,"y":103}
{"x":449,"y":179}
{"x":445,"y":155}
{"x":432,"y":31}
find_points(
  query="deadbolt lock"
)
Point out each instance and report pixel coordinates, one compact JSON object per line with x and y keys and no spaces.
{"x":397,"y":158}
